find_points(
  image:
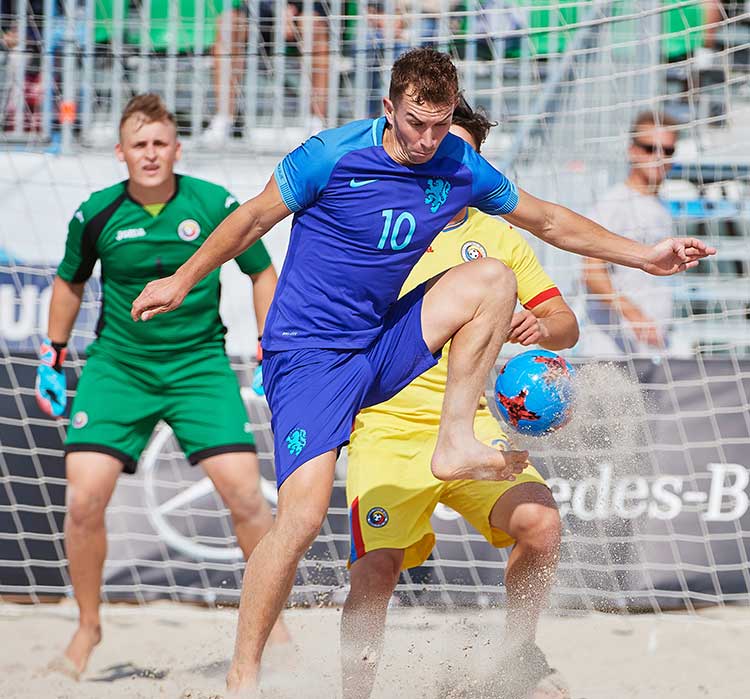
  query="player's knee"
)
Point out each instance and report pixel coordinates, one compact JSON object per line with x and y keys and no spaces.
{"x":494,"y":274}
{"x":378,"y":571}
{"x":300,"y":528}
{"x":539,"y":529}
{"x":85,"y":508}
{"x":247,"y":505}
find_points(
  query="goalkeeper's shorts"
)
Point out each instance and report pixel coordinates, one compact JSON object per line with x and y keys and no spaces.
{"x":119,"y":401}
{"x":391,"y":492}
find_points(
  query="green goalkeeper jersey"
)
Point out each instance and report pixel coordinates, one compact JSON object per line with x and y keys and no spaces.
{"x":135,"y":247}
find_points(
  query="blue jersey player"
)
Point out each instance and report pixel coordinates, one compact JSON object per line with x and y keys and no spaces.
{"x":368,"y":198}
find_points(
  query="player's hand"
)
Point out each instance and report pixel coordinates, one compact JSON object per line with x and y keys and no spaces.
{"x":675,"y":255}
{"x":50,"y":380}
{"x":526,"y":329}
{"x":258,"y":381}
{"x":158,"y":296}
{"x":257,"y":384}
{"x":641,"y":324}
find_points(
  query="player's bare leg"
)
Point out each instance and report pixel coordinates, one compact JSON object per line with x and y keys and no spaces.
{"x":529,"y":514}
{"x":91,"y":479}
{"x":271,"y":568}
{"x":473,"y":304}
{"x":373,"y":579}
{"x":236,"y":477}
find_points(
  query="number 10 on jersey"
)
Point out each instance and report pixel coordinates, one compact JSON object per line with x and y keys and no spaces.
{"x":392,"y":230}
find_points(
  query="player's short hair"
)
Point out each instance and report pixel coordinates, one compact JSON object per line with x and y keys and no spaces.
{"x":649,"y":119}
{"x":151,"y":106}
{"x":427,"y":75}
{"x":475,"y":121}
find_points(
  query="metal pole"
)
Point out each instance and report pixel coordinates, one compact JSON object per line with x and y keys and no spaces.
{"x":118,"y":29}
{"x":198,"y":92}
{"x":48,"y":102}
{"x":18,"y":56}
{"x":279,"y":49}
{"x":87,"y":85}
{"x":70,"y":85}
{"x":251,"y":68}
{"x":145,"y":48}
{"x":334,"y":62}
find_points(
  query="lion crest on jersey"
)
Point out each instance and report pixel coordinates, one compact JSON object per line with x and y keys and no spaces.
{"x":436,"y":193}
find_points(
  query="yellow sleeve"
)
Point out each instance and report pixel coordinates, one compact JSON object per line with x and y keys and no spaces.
{"x":534,"y":284}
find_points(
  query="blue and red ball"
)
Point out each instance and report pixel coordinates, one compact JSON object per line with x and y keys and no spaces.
{"x":534,"y":392}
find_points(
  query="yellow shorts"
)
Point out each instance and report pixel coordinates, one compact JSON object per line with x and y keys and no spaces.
{"x":391,"y":492}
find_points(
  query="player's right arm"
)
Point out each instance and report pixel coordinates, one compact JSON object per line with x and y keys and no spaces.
{"x":297,"y":182}
{"x":235,"y":234}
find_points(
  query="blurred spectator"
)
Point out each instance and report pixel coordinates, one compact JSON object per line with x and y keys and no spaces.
{"x":630,"y":311}
{"x":220,"y":126}
{"x":10,"y":41}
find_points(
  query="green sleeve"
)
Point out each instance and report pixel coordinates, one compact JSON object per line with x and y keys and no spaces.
{"x":255,"y":259}
{"x":80,"y":252}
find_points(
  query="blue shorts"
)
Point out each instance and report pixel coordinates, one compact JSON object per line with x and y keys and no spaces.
{"x":315,"y":394}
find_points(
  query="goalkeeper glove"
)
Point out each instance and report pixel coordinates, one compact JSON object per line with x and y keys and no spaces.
{"x":50,"y":378}
{"x":258,"y":373}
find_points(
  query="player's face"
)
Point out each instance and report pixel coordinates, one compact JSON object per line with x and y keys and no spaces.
{"x":651,"y":152}
{"x":418,"y":129}
{"x":149,"y":149}
{"x":461,"y":132}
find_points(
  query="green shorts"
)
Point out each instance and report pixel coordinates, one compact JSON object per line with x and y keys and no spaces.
{"x":119,"y":401}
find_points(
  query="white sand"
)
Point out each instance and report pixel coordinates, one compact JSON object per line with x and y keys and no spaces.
{"x":168,"y":650}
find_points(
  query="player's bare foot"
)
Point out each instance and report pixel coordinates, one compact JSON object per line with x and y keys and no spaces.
{"x":73,"y":663}
{"x":472,"y":460}
{"x":242,"y":684}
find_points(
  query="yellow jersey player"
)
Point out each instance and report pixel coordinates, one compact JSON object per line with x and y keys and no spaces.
{"x":392,"y":493}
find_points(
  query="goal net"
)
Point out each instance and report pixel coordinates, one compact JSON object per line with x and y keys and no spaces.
{"x":651,"y":476}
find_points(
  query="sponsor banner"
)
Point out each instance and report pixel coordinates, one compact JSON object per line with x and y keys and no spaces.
{"x":668,"y":528}
{"x":25,"y":292}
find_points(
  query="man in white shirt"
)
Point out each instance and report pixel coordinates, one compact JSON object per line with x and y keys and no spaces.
{"x":628,"y":311}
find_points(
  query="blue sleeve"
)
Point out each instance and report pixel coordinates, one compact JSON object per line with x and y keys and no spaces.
{"x":304,"y":173}
{"x":492,"y":192}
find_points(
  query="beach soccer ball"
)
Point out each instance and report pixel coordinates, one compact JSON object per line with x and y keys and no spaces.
{"x":534,"y":392}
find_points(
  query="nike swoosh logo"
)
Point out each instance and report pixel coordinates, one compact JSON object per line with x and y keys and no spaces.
{"x":360,"y":183}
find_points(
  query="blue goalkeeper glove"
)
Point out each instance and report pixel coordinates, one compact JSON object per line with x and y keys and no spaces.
{"x":50,"y":378}
{"x":258,"y":373}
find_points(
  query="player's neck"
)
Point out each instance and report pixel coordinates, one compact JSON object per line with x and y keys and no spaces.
{"x":158,"y":194}
{"x":392,"y":147}
{"x":638,"y":184}
{"x":458,"y":218}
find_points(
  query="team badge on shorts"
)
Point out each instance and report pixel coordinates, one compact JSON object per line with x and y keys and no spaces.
{"x":189,"y":230}
{"x":377,"y":517}
{"x":296,"y":441}
{"x":80,"y":419}
{"x":472,"y":250}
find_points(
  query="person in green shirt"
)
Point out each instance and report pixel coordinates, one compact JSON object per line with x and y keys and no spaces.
{"x":136,"y":374}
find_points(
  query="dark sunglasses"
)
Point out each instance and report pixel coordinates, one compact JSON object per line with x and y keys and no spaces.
{"x":652,"y":148}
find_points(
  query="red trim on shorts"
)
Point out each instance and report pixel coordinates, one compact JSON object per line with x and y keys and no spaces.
{"x":358,"y":544}
{"x":544,"y":296}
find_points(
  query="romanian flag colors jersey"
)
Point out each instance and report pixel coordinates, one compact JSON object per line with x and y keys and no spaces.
{"x":418,"y":406}
{"x":134,"y":246}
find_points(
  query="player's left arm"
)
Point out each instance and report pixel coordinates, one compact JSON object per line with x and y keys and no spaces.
{"x":551,"y":324}
{"x":567,"y":230}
